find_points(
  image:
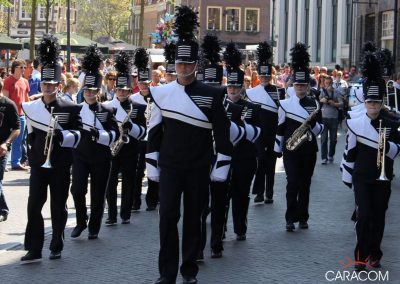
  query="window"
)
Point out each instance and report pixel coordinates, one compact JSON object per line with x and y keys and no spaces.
{"x":252,"y":19}
{"x":307,"y":20}
{"x":349,"y":11}
{"x":232,"y":19}
{"x":214,"y":18}
{"x":319,"y":23}
{"x":42,"y":12}
{"x":387,"y":23}
{"x":25,"y":11}
{"x":334,"y":29}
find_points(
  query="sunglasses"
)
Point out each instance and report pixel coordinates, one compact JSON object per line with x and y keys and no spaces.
{"x":112,"y":79}
{"x":22,"y":67}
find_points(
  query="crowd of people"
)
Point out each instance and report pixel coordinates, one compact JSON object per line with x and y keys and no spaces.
{"x":211,"y":133}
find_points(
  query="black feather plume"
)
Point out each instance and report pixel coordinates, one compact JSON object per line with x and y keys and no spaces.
{"x":369,"y":46}
{"x":386,"y":58}
{"x":169,"y":52}
{"x":49,"y":50}
{"x":232,"y":56}
{"x":371,"y":67}
{"x":201,"y":62}
{"x":264,"y":53}
{"x":92,"y":59}
{"x":141,"y":58}
{"x":186,"y":23}
{"x":300,"y":56}
{"x":123,"y":62}
{"x":211,"y":48}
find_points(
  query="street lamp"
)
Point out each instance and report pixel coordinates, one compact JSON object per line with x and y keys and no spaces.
{"x":68,"y":35}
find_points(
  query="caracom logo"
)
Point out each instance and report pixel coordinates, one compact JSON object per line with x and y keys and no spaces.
{"x":348,"y":274}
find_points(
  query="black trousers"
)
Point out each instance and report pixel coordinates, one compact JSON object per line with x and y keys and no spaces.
{"x":99,"y":173}
{"x":127,"y":167}
{"x":265,"y":175}
{"x":194,"y":186}
{"x":58,"y":180}
{"x":152,"y":186}
{"x":242,"y":174}
{"x":372,"y":200}
{"x":299,"y":170}
{"x":218,"y":210}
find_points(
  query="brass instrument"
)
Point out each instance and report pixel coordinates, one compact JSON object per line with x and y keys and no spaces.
{"x":48,"y":144}
{"x":380,"y":161}
{"x":94,"y":125}
{"x":302,"y":133}
{"x":391,"y":91}
{"x":244,"y":113}
{"x":147,"y":112}
{"x":123,"y":136}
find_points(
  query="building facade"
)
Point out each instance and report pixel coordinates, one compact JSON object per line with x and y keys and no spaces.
{"x":322,"y":24}
{"x":378,"y":22}
{"x":21,"y":27}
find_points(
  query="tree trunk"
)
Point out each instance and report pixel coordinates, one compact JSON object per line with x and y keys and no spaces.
{"x":33,"y":30}
{"x":47,"y":15}
{"x":141,"y":23}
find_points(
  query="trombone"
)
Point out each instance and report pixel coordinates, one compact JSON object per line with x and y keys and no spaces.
{"x":380,"y":161}
{"x":391,"y":91}
{"x":48,"y":144}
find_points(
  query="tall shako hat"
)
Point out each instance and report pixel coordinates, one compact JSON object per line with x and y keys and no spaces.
{"x":387,"y":62}
{"x":91,"y":64}
{"x":200,"y":66}
{"x":169,"y":54}
{"x":233,"y":59}
{"x":264,"y":54}
{"x":141,"y":63}
{"x":49,"y":52}
{"x":186,"y":23}
{"x":374,"y":86}
{"x":300,"y":63}
{"x":123,"y":65}
{"x":213,"y":70}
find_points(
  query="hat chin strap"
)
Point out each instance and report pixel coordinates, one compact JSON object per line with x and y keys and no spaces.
{"x":190,"y":74}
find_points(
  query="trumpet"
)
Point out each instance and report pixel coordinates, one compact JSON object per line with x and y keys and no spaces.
{"x":48,"y":144}
{"x":123,"y":137}
{"x":380,"y":161}
{"x":391,"y":91}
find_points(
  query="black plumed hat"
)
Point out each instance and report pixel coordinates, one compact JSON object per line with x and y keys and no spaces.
{"x":169,"y":54}
{"x":233,"y":60}
{"x":300,"y":63}
{"x":91,"y":64}
{"x":49,"y":52}
{"x":186,"y":24}
{"x":264,"y":54}
{"x":213,"y":70}
{"x":141,"y":63}
{"x":123,"y":65}
{"x":374,"y":86}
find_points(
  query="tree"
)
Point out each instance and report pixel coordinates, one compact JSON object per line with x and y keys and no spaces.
{"x":33,"y":30}
{"x":111,"y":17}
{"x":141,"y":23}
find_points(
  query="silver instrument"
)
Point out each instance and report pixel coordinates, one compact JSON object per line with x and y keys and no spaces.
{"x":123,"y":136}
{"x":147,"y":112}
{"x":94,"y":124}
{"x":48,"y":144}
{"x":244,"y":113}
{"x":302,"y":133}
{"x":391,"y":91}
{"x":380,"y":161}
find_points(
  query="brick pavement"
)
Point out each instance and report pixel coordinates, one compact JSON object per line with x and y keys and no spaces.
{"x":128,"y":253}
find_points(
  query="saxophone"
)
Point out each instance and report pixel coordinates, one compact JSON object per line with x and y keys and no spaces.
{"x":147,"y":112}
{"x":302,"y":133}
{"x":123,"y":137}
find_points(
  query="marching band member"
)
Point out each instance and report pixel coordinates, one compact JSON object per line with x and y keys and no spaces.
{"x":124,"y":151}
{"x":267,"y":96}
{"x":244,"y":162}
{"x":53,"y":129}
{"x":184,"y":116}
{"x":93,"y":155}
{"x":143,"y":98}
{"x":298,"y":126}
{"x":372,"y":144}
{"x":169,"y":54}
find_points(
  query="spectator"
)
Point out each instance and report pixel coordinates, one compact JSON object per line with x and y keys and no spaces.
{"x":324,"y":70}
{"x":155,"y":78}
{"x":28,"y":70}
{"x":70,"y":90}
{"x":135,"y":85}
{"x":108,"y":88}
{"x":34,"y":81}
{"x":247,"y":82}
{"x":330,"y":101}
{"x":162,"y":70}
{"x":247,"y":71}
{"x":255,"y":81}
{"x":353,"y":75}
{"x":9,"y":130}
{"x":16,"y":88}
{"x":316,"y":73}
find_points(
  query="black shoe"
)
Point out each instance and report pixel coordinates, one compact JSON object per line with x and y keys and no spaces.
{"x":303,"y":225}
{"x":92,"y":236}
{"x":216,"y":253}
{"x":77,"y":231}
{"x":151,"y":208}
{"x":111,"y":222}
{"x":290,"y":226}
{"x":55,"y":255}
{"x":360,"y":267}
{"x":375,"y":263}
{"x":135,"y":208}
{"x":31,"y":257}
{"x":200,"y":257}
{"x":3,"y":217}
{"x":126,"y":221}
{"x":241,"y":237}
{"x":259,"y":198}
{"x":163,"y":280}
{"x":269,"y":201}
{"x":189,"y":280}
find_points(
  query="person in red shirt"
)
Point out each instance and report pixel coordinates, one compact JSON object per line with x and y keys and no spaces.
{"x":16,"y":88}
